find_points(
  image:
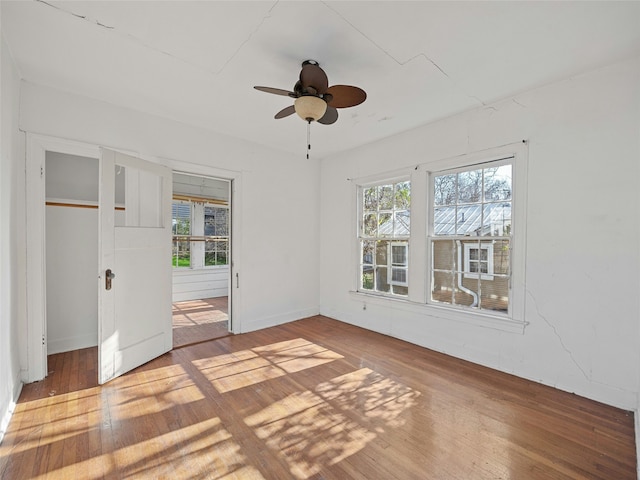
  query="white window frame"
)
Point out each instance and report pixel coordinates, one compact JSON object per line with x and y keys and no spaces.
{"x":420,"y":248}
{"x":399,"y":266}
{"x":360,"y":188}
{"x":484,"y":245}
{"x":197,"y":242}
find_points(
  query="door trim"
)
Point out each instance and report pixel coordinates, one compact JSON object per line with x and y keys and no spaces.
{"x":36,"y":274}
{"x":36,"y":147}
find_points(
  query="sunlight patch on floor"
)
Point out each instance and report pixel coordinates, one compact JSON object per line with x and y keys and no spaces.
{"x":309,"y":432}
{"x":249,"y":367}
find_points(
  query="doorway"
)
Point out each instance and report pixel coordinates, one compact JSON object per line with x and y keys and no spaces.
{"x":201,"y":223}
{"x":38,"y":327}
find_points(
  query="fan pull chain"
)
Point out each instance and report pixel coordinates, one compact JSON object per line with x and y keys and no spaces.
{"x":308,"y":138}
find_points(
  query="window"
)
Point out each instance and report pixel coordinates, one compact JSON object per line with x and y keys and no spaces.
{"x":216,"y":231}
{"x":399,"y":264}
{"x":470,"y":237}
{"x":200,"y":234}
{"x":181,"y":226}
{"x":478,"y":260}
{"x":383,"y":237}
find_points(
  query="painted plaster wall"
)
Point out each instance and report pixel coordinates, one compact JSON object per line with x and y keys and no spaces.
{"x":582,"y":252}
{"x":72,"y":286}
{"x":12,"y":254}
{"x":274,"y":205}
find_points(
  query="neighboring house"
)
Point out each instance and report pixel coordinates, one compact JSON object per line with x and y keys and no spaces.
{"x":479,"y":263}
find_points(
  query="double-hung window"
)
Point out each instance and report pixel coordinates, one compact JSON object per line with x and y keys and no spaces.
{"x":383,"y":232}
{"x":460,"y":255}
{"x":470,"y":237}
{"x":200,"y":234}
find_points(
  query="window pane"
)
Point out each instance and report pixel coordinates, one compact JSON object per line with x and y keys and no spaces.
{"x":368,"y":247}
{"x":382,"y":285}
{"x":496,"y":219}
{"x":445,"y":190}
{"x":401,"y":224}
{"x":385,"y":224}
{"x":470,"y":186}
{"x":444,"y":221}
{"x":386,"y":197}
{"x":443,"y":253}
{"x":400,"y":289}
{"x":399,"y":254}
{"x":370,"y":224}
{"x":497,"y":183}
{"x":370,"y":199}
{"x":181,"y":221}
{"x":501,"y":253}
{"x":381,"y":252}
{"x":367,"y":277}
{"x":403,"y":195}
{"x":494,"y":294}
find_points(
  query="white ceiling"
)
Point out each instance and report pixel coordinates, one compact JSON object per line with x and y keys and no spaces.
{"x":197,"y":61}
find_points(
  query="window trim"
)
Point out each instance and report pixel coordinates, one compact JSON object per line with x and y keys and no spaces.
{"x":419,"y":248}
{"x":361,"y":186}
{"x":484,"y":245}
{"x":403,"y":266}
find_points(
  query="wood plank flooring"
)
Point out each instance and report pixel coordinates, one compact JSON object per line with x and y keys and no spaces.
{"x":198,"y":320}
{"x":313,"y":399}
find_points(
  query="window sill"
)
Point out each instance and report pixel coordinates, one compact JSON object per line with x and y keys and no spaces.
{"x":496,"y":322}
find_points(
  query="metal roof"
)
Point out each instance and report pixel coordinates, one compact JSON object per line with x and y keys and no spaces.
{"x":475,"y":219}
{"x":471,"y":220}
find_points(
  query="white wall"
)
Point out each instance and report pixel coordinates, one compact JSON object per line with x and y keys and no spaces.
{"x":71,"y":252}
{"x":72,"y":287}
{"x":275,"y":226}
{"x":194,"y":284}
{"x":12,"y":253}
{"x":582,"y":253}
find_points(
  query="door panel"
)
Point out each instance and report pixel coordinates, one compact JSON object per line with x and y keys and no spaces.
{"x":135,"y":244}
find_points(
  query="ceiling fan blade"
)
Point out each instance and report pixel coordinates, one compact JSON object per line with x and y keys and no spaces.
{"x":313,"y":76}
{"x":276,"y":91}
{"x":346,"y":96}
{"x":330,"y":116}
{"x":285,"y":112}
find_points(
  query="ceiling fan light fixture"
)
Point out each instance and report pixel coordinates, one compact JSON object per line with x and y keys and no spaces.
{"x":310,"y":108}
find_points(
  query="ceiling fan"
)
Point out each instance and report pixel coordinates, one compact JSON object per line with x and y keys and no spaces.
{"x":315,"y":99}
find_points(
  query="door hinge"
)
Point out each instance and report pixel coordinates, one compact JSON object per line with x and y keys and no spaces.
{"x":43,"y":339}
{"x":41,"y":171}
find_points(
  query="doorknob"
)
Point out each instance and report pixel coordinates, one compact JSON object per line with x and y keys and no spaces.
{"x":109,"y":275}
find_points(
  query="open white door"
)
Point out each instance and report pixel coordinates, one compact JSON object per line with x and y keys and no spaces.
{"x":134,"y":312}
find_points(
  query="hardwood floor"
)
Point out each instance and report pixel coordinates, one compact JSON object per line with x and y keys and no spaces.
{"x":198,"y":320}
{"x":313,"y":399}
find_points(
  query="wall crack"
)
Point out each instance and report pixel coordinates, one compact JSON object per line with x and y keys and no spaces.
{"x":557,"y":335}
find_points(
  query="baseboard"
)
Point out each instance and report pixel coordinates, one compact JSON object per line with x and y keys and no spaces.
{"x":275,"y":320}
{"x":71,"y":343}
{"x":8,"y":413}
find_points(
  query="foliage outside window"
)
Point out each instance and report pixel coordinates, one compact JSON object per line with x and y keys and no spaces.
{"x":471,"y":237}
{"x":384,"y":235}
{"x":200,"y":234}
